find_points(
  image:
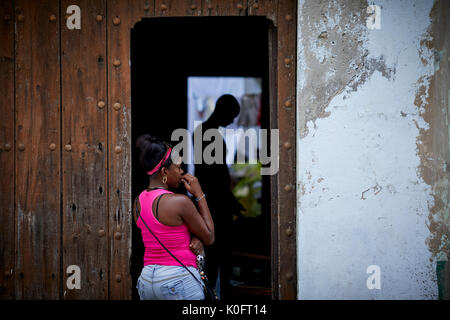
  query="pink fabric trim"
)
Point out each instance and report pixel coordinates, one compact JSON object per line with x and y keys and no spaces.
{"x":160,"y":163}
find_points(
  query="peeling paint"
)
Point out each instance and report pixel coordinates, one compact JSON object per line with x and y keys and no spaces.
{"x":432,"y":143}
{"x":369,"y":67}
{"x":373,"y":131}
{"x":376,"y":190}
{"x":337,"y":58}
{"x":334,"y":57}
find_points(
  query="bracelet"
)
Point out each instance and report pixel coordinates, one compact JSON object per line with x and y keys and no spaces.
{"x":200,"y":198}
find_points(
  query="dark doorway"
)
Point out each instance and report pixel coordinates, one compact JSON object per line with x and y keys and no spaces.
{"x":165,"y":52}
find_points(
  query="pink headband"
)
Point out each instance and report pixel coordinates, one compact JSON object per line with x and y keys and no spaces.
{"x":163,"y":160}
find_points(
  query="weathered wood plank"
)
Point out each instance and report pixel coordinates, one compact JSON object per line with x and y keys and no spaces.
{"x":149,"y":10}
{"x":7,"y":220}
{"x":224,"y":8}
{"x":177,"y":8}
{"x":266,"y":8}
{"x":119,"y":149}
{"x":286,"y":82}
{"x":84,"y":139}
{"x":272,"y":44}
{"x":37,"y":156}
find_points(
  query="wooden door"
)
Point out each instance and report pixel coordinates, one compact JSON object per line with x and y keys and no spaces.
{"x":65,"y":142}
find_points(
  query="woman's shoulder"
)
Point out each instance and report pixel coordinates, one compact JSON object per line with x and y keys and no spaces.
{"x":180,"y":200}
{"x":177,"y":196}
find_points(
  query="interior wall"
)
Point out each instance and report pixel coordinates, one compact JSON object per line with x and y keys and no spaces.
{"x":373,"y":149}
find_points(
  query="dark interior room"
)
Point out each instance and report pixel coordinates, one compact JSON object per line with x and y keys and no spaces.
{"x":164,"y":53}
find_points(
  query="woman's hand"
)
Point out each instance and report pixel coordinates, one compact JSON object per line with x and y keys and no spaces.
{"x":192,"y":185}
{"x":196,"y":246}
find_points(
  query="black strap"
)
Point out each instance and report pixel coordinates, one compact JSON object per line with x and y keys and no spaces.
{"x":157,"y":204}
{"x":139,"y":216}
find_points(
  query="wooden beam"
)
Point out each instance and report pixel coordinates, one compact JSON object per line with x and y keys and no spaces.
{"x":37,"y":156}
{"x":287,"y":203}
{"x":7,"y":147}
{"x":176,"y":8}
{"x":85,"y":150}
{"x":273,"y":105}
{"x":119,"y":135}
{"x":224,"y":8}
{"x":266,"y":8}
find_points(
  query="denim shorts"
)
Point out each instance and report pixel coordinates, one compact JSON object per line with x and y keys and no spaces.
{"x":158,"y":282}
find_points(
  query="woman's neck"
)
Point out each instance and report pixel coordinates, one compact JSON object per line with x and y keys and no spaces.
{"x":157,"y":184}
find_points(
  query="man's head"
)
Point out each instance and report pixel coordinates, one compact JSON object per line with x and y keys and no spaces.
{"x":227,"y":108}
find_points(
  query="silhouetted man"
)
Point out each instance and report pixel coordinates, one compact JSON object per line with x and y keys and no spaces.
{"x":215,"y":182}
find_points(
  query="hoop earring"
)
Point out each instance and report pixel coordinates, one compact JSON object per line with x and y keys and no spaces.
{"x":164,"y":179}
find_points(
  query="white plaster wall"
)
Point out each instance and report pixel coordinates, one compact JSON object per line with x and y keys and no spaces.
{"x":361,"y":200}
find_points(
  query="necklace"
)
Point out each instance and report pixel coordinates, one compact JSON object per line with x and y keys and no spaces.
{"x":154,"y":188}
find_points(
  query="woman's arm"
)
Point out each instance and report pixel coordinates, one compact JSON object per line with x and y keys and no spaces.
{"x":196,"y":245}
{"x":199,"y":221}
{"x":134,"y":208}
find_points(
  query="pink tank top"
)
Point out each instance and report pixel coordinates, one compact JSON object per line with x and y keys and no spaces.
{"x":176,"y":239}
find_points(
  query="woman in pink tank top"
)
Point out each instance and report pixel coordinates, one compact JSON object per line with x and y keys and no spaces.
{"x":177,"y":223}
